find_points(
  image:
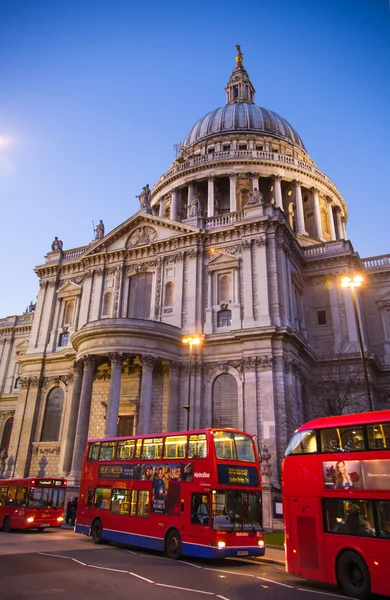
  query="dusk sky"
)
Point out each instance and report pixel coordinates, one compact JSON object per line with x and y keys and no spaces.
{"x":94,"y":94}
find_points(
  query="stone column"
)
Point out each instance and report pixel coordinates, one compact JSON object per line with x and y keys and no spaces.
{"x":266,"y":495}
{"x":332,"y":230}
{"x":278,"y":192}
{"x":299,"y":214}
{"x":161,"y":207}
{"x":339,"y":228}
{"x":210,"y":196}
{"x":190,"y":197}
{"x":247,"y":283}
{"x":145,"y":408}
{"x":114,"y":395}
{"x":255,"y":181}
{"x":73,"y":412}
{"x":174,"y":197}
{"x":208,"y":326}
{"x":233,"y":195}
{"x":317,"y":215}
{"x":83,"y":419}
{"x":174,"y":396}
{"x":343,"y":225}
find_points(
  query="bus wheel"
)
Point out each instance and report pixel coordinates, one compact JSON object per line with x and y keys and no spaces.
{"x":173,"y":544}
{"x":40,"y":529}
{"x":97,"y":532}
{"x":353,"y":575}
{"x":7,"y":524}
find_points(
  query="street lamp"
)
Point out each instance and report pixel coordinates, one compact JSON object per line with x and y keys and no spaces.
{"x":353,"y":283}
{"x":190,"y":340}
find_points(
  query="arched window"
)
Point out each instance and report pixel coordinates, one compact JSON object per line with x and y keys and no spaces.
{"x":169,"y":293}
{"x":6,"y":437}
{"x":53,"y":414}
{"x":224,"y":318}
{"x":69,"y":310}
{"x":224,"y":288}
{"x":107,"y":304}
{"x":140,"y":296}
{"x":17,"y":383}
{"x":225,"y":401}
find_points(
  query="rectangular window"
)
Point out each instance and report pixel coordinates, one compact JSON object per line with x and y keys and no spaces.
{"x":120,"y":502}
{"x":200,"y":509}
{"x":342,"y":439}
{"x":133,"y":507}
{"x":383,"y":508}
{"x":143,"y":503}
{"x":242,"y":147}
{"x":125,"y":425}
{"x":93,"y":453}
{"x":64,"y":339}
{"x":107,"y":451}
{"x":152,"y":449}
{"x":235,"y":91}
{"x":226,"y":147}
{"x":140,"y":296}
{"x":138,"y":447}
{"x":102,"y":498}
{"x":17,"y":496}
{"x":349,"y":517}
{"x":175,"y":446}
{"x":210,"y":150}
{"x":125,"y":449}
{"x":197,"y":446}
{"x":321,"y":317}
{"x":378,"y":436}
{"x":3,"y":495}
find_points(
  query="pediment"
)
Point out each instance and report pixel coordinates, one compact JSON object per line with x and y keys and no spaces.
{"x":384,"y":300}
{"x":69,"y":290}
{"x":222,"y":260}
{"x":22,"y":347}
{"x":140,"y":230}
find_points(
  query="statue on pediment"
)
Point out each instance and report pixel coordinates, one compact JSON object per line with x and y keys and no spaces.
{"x":142,"y":236}
{"x":145,"y":198}
{"x":194,"y":207}
{"x":56,"y":245}
{"x":256,"y":197}
{"x":99,"y":231}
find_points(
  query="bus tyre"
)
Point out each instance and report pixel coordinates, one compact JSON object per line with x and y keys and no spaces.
{"x":173,"y":544}
{"x":97,"y":532}
{"x":40,"y":529}
{"x":353,"y":575}
{"x":7,"y":524}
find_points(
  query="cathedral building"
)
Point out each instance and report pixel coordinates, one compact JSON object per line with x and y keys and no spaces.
{"x":241,"y":242}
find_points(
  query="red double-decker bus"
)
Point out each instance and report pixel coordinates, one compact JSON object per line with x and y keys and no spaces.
{"x":195,"y":493}
{"x":31,"y":503}
{"x":336,"y":502}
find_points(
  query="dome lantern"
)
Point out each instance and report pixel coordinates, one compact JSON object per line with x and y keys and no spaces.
{"x":239,"y":88}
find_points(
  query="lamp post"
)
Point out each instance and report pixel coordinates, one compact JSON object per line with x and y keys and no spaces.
{"x":353,"y":283}
{"x":190,"y":340}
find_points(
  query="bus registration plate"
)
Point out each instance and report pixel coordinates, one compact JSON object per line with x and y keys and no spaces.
{"x":44,"y":524}
{"x":242,"y":553}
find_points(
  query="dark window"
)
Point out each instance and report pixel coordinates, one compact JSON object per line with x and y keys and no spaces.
{"x":226,"y":147}
{"x":242,"y":147}
{"x":6,"y":438}
{"x":378,"y":436}
{"x":17,"y":383}
{"x":224,"y":318}
{"x":235,"y":91}
{"x":210,"y":150}
{"x":64,"y":338}
{"x":140,"y":296}
{"x":125,"y":426}
{"x":259,"y":147}
{"x":93,"y":453}
{"x":200,"y":509}
{"x":53,"y":413}
{"x":349,"y":517}
{"x":342,"y":439}
{"x":321,"y":317}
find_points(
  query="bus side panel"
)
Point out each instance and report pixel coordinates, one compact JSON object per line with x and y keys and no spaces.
{"x":306,"y":559}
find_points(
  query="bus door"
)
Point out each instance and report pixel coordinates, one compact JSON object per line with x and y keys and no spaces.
{"x":307,"y":555}
{"x":200,"y":517}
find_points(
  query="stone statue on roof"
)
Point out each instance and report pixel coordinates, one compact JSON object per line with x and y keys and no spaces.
{"x":145,"y":198}
{"x":56,"y":245}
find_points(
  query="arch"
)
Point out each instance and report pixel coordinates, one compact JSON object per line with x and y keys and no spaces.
{"x":69,"y":311}
{"x":53,"y":414}
{"x":7,"y":431}
{"x":107,"y":304}
{"x":169,"y":293}
{"x":225,"y":401}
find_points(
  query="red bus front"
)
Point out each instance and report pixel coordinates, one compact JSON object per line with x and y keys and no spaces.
{"x":195,"y":493}
{"x":32,"y":503}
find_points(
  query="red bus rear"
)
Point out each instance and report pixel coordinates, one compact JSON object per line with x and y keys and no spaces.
{"x":31,"y":503}
{"x":336,"y":502}
{"x":194,"y":493}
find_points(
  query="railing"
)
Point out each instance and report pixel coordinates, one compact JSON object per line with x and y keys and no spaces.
{"x":17,"y":320}
{"x":376,"y":262}
{"x":221,"y":220}
{"x":71,"y":254}
{"x":334,"y":247}
{"x":232,"y":155}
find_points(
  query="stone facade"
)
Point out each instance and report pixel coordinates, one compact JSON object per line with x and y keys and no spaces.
{"x":244,"y":244}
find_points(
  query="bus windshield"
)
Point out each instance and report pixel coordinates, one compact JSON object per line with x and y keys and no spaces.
{"x":231,"y":445}
{"x":234,"y":510}
{"x":302,"y":442}
{"x":46,"y":497}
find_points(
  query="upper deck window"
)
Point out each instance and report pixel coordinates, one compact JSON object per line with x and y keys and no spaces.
{"x":197,"y":446}
{"x":125,"y":449}
{"x":93,"y":453}
{"x":302,"y":442}
{"x":342,"y":439}
{"x":230,"y":445}
{"x":175,"y":446}
{"x":107,"y":451}
{"x":378,"y":436}
{"x":152,"y":448}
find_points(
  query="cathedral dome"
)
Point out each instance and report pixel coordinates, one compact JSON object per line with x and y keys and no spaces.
{"x":242,"y":117}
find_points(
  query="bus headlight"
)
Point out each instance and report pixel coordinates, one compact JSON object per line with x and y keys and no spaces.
{"x":59,"y":519}
{"x":261,"y":543}
{"x":221,"y":544}
{"x":30,"y":520}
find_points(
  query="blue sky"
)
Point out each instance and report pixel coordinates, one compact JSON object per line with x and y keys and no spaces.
{"x":94,"y":94}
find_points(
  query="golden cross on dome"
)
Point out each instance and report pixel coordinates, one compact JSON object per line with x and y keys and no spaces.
{"x":239,"y":56}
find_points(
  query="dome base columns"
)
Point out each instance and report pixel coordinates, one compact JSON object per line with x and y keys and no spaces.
{"x":174,"y":200}
{"x":114,"y":395}
{"x":233,"y":194}
{"x":317,"y":215}
{"x":299,"y":213}
{"x":332,"y":229}
{"x":278,"y":192}
{"x":210,"y":197}
{"x":145,"y":411}
{"x":338,"y":224}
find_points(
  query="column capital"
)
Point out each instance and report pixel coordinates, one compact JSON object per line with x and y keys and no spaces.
{"x":210,"y":177}
{"x":329,"y":200}
{"x":89,"y":361}
{"x":78,"y":367}
{"x":314,"y":190}
{"x":337,"y":208}
{"x":277,"y":178}
{"x":148,"y":361}
{"x":116,"y":358}
{"x":297,"y":183}
{"x":233,"y":175}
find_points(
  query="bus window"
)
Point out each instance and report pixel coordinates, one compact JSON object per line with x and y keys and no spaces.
{"x":3,"y":495}
{"x":133,"y":506}
{"x":102,"y":498}
{"x":125,"y":449}
{"x":378,"y":436}
{"x":342,"y":439}
{"x":200,"y":509}
{"x":349,"y":517}
{"x":90,"y":495}
{"x":152,"y":449}
{"x":244,"y":447}
{"x":138,"y":446}
{"x":107,"y":451}
{"x":175,"y":446}
{"x":120,"y":502}
{"x":303,"y":442}
{"x":384,"y":518}
{"x":93,"y":453}
{"x":224,"y":445}
{"x":143,"y":503}
{"x":197,"y":446}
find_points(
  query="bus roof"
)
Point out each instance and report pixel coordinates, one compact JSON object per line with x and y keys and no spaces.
{"x":345,"y":420}
{"x":171,"y":433}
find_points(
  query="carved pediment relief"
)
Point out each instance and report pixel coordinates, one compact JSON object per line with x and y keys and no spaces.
{"x":141,"y":236}
{"x":222,"y":260}
{"x":69,"y":290}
